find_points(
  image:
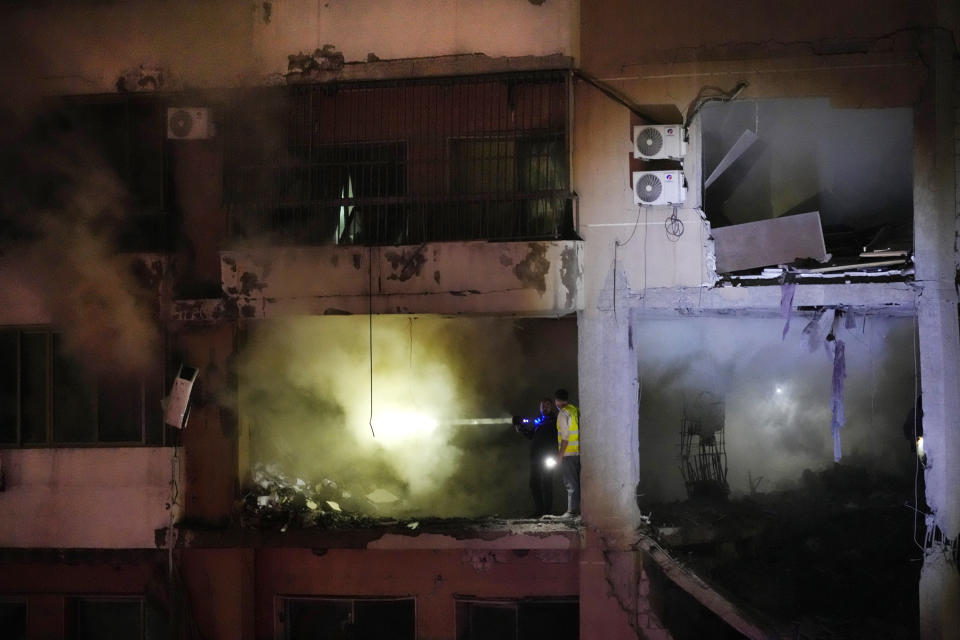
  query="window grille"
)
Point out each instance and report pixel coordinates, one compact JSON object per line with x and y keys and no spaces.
{"x":400,"y":162}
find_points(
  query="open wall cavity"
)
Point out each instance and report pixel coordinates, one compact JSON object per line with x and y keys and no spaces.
{"x":738,"y":470}
{"x":767,"y":159}
{"x":425,"y":431}
{"x":773,"y":396}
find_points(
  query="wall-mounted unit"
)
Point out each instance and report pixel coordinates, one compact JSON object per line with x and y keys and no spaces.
{"x":658,"y":187}
{"x":659,"y":142}
{"x":189,"y":123}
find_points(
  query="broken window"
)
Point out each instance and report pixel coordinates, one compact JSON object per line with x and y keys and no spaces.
{"x":771,"y":159}
{"x":400,"y":162}
{"x":49,"y":398}
{"x":359,"y":618}
{"x":13,"y":618}
{"x":518,"y":619}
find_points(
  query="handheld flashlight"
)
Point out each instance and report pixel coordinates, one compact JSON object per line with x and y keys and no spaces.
{"x":549,"y":462}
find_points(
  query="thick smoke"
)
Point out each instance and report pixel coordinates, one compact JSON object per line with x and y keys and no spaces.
{"x":777,"y":397}
{"x":305,"y":387}
{"x":61,"y":212}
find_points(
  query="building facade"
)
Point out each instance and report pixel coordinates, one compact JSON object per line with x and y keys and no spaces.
{"x":328,"y":207}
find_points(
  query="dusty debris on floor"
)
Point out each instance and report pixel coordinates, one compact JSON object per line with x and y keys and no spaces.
{"x":833,"y":558}
{"x":277,"y":500}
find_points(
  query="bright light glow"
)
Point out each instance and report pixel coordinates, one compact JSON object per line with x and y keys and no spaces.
{"x":399,"y":426}
{"x":779,"y":389}
{"x":549,"y":462}
{"x":920,"y":446}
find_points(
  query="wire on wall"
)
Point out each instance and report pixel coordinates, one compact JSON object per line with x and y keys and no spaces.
{"x":673,"y":226}
{"x":616,"y":245}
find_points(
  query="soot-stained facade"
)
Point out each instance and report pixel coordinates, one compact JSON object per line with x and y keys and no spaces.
{"x":379,"y":230}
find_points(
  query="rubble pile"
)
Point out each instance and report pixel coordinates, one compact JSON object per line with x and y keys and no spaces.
{"x":278,"y":500}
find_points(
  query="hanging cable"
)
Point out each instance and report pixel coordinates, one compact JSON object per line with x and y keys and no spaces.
{"x":370,"y":319}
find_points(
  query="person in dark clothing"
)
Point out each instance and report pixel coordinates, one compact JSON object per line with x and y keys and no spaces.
{"x":542,"y":433}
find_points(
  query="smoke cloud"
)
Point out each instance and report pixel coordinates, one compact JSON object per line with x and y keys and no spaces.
{"x":777,"y":397}
{"x":62,"y":208}
{"x":305,"y":387}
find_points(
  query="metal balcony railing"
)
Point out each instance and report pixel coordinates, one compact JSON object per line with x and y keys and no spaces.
{"x":400,"y":162}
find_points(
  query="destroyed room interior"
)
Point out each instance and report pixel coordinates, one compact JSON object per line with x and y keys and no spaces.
{"x":501,"y":320}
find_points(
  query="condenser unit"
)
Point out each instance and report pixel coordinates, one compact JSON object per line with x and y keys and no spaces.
{"x":656,"y":141}
{"x":189,"y":123}
{"x":658,"y":187}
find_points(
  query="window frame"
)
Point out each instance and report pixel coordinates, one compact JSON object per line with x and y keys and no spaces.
{"x":49,"y":401}
{"x":73,"y":612}
{"x":281,"y":607}
{"x":464,"y":606}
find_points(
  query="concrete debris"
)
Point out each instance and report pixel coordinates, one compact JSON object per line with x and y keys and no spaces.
{"x":764,"y":243}
{"x":275,"y":499}
{"x":381,"y":496}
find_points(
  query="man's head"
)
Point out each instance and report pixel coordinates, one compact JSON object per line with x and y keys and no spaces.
{"x":561,"y":397}
{"x":546,"y":406}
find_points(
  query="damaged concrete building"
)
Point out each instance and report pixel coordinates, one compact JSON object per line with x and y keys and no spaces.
{"x":276,"y":275}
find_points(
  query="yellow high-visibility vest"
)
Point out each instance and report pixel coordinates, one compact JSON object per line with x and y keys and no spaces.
{"x":573,"y":444}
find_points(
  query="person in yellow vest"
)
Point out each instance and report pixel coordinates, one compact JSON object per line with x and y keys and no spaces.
{"x":568,"y":438}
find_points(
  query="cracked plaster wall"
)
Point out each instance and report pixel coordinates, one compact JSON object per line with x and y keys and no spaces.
{"x":540,"y":278}
{"x":224,"y":43}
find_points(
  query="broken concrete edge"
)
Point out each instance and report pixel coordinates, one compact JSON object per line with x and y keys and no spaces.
{"x":393,"y":537}
{"x":893,"y":299}
{"x":702,"y":592}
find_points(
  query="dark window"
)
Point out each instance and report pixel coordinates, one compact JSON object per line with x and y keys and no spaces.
{"x":354,"y":619}
{"x":49,"y":398}
{"x":400,"y":162}
{"x":13,"y":619}
{"x":115,"y":617}
{"x":518,"y":619}
{"x":128,"y":134}
{"x":512,"y":187}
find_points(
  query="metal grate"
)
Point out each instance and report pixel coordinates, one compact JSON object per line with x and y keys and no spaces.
{"x":401,"y":162}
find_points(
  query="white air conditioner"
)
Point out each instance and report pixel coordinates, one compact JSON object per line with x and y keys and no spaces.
{"x":655,"y":141}
{"x":177,"y":404}
{"x":658,"y":187}
{"x":189,"y":123}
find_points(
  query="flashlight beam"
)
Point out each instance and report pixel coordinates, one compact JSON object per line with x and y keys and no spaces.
{"x":477,"y":421}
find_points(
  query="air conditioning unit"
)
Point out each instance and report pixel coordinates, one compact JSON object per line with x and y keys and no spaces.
{"x":189,"y":123}
{"x":658,"y":187}
{"x":655,"y":142}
